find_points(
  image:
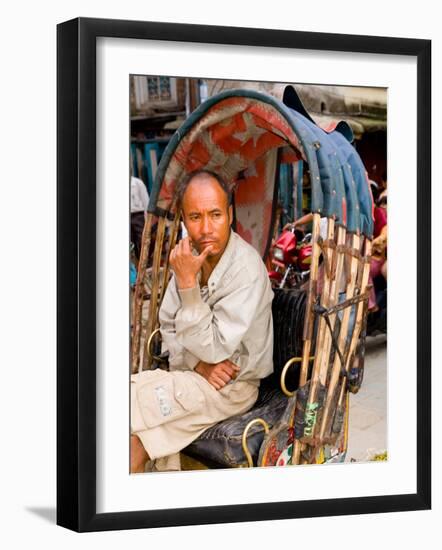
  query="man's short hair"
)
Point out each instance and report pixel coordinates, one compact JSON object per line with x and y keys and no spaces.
{"x":184,"y":184}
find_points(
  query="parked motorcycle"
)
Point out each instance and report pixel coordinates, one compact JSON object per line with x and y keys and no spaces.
{"x":291,"y":259}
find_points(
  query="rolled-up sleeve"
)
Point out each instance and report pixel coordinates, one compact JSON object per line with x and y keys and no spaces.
{"x":213,"y":334}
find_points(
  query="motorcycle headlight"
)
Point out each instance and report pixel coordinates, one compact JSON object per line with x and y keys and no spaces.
{"x":278,"y":254}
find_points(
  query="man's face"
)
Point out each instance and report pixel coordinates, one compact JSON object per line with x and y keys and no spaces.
{"x":206,"y":215}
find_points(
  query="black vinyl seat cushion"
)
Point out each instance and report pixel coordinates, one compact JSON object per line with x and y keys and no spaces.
{"x":221,"y":445}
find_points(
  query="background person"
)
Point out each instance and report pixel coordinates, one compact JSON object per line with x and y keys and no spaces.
{"x":139,"y":201}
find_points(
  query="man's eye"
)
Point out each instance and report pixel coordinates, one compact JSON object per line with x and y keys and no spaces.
{"x":216,"y":214}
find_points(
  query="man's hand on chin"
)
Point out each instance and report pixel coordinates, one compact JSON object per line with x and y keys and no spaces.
{"x":185,"y":265}
{"x":218,"y":374}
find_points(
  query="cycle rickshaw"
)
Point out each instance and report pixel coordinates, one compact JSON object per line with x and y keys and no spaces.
{"x":301,"y":415}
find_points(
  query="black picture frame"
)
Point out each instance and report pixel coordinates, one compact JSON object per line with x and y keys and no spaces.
{"x":76,"y":273}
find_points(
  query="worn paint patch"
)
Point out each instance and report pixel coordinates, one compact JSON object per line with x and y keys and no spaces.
{"x":163,"y":401}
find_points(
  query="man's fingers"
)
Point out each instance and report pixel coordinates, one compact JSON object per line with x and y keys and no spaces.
{"x":232,"y":364}
{"x":224,"y":376}
{"x":214,"y":383}
{"x":218,"y":380}
{"x":186,"y":245}
{"x":172,"y":256}
{"x":205,"y":253}
{"x":230,"y":368}
{"x":227,"y":370}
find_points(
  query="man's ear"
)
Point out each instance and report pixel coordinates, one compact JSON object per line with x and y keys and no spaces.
{"x":230,"y":215}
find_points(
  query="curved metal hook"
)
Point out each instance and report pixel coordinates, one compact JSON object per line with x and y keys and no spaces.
{"x":289,"y":363}
{"x":244,"y":437}
{"x":149,"y":345}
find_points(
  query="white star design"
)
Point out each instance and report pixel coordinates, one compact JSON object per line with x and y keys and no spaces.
{"x":252,"y":131}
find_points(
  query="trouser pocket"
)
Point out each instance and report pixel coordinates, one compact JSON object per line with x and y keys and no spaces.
{"x":164,"y":396}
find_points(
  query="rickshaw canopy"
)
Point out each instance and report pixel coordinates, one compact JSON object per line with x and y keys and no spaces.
{"x":245,"y":135}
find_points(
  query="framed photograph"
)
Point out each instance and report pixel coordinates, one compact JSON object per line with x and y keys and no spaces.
{"x":209,"y":177}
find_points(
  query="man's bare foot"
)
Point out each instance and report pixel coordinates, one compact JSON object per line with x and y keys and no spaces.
{"x":138,"y":455}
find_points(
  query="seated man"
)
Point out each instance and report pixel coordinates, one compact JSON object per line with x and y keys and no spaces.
{"x":216,"y":323}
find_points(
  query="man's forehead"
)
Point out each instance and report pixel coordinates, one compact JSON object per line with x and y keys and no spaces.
{"x":204,"y":189}
{"x":204,"y":180}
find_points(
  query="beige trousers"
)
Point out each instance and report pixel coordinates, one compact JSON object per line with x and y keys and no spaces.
{"x":169,"y":410}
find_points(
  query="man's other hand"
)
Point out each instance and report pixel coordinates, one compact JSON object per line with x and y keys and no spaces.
{"x":219,"y":374}
{"x":185,"y":265}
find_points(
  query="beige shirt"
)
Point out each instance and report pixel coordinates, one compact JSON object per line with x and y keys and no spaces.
{"x":230,"y":318}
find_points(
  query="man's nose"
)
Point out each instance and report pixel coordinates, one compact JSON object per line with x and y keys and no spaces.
{"x":206,"y":225}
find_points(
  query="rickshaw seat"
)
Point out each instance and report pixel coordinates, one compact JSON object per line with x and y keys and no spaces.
{"x":221,"y":445}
